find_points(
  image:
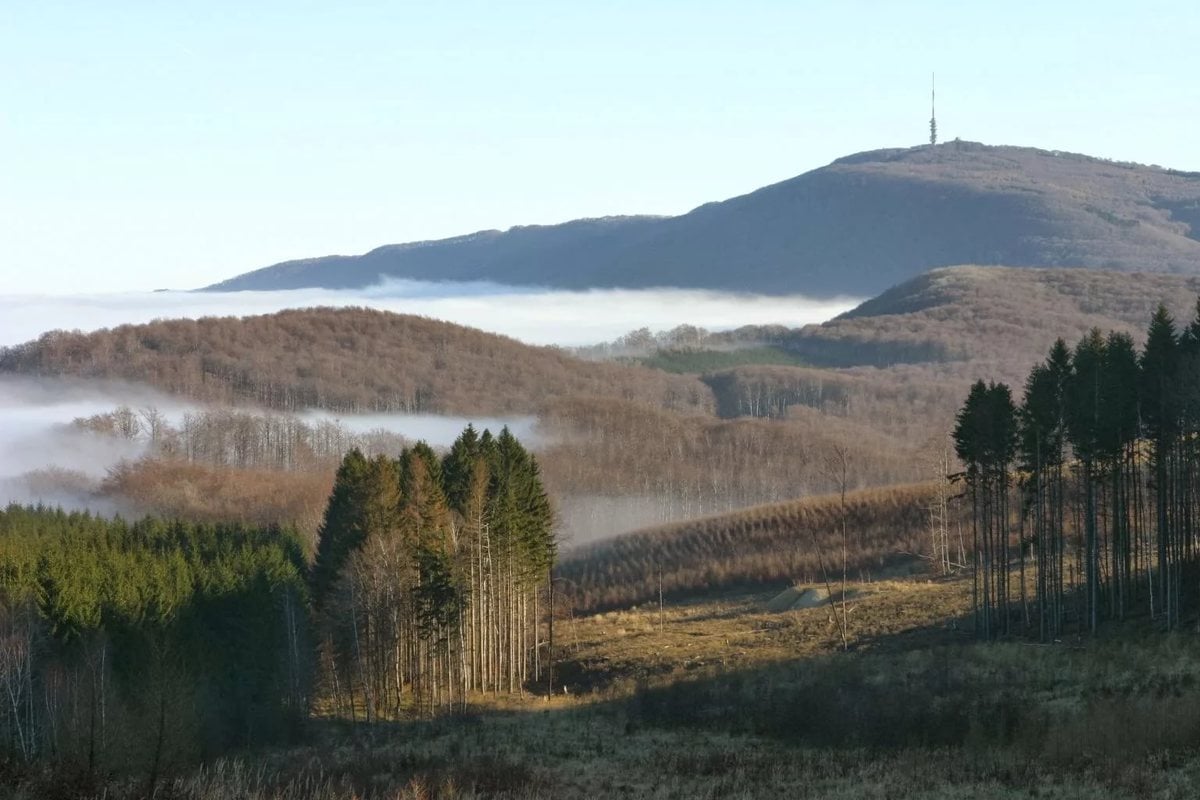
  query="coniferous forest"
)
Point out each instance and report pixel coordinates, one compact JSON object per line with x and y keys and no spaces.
{"x":139,"y":647}
{"x":1083,"y":490}
{"x":427,"y":575}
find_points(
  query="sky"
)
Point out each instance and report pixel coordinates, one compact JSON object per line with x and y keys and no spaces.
{"x":147,"y":144}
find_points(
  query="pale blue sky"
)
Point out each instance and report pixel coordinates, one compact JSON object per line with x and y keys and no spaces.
{"x":148,"y":144}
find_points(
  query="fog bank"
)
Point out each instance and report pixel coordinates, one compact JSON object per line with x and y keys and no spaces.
{"x":535,"y":316}
{"x":43,"y":458}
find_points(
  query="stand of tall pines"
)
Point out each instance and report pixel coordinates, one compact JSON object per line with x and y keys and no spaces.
{"x":1087,"y":489}
{"x":427,"y":576}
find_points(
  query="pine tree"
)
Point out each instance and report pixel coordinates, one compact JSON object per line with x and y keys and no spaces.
{"x":1084,"y":429}
{"x":1119,"y":431}
{"x":1159,"y":367}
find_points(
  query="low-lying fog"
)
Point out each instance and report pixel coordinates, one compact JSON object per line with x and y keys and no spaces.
{"x":35,"y":416}
{"x":36,"y":435}
{"x":536,"y":316}
{"x":46,"y":459}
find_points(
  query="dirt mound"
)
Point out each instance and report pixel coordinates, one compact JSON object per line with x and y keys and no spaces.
{"x":795,"y":598}
{"x":798,"y":598}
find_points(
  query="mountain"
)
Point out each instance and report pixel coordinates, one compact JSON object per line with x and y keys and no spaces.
{"x":857,"y":226}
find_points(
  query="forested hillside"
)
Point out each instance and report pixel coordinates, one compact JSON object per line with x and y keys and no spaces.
{"x":138,"y":648}
{"x":135,"y":649}
{"x":348,"y":359}
{"x":855,"y":227}
{"x":613,"y":465}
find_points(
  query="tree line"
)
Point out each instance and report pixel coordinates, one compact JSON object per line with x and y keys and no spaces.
{"x":1084,"y":492}
{"x":613,"y":465}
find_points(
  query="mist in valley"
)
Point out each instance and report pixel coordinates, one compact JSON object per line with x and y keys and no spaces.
{"x":534,"y":316}
{"x":46,"y":459}
{"x":55,"y":449}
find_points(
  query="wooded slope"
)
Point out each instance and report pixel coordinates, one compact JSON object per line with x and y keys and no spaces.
{"x":347,"y":360}
{"x":625,"y":446}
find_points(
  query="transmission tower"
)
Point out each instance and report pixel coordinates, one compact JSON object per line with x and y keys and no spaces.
{"x":933,"y":109}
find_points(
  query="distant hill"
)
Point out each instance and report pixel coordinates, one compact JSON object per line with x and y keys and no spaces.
{"x":996,"y":315}
{"x":346,"y":360}
{"x":857,"y":226}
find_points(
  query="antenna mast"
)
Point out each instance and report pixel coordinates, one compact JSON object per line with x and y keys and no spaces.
{"x":933,"y":108}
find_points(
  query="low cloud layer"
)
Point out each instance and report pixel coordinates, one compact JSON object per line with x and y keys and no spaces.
{"x":535,"y":316}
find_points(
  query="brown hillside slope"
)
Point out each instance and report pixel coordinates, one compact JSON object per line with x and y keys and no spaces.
{"x":764,"y":544}
{"x":902,"y":362}
{"x":688,"y":465}
{"x":993,"y":314}
{"x":345,"y":359}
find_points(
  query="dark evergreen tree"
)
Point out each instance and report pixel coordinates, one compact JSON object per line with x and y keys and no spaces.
{"x":342,"y":531}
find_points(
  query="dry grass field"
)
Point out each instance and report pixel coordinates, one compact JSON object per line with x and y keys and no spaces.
{"x":719,"y":697}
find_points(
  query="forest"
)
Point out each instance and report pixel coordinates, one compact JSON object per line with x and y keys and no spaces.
{"x":146,"y":645}
{"x":139,"y":648}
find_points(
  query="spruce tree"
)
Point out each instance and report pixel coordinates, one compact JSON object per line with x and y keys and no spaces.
{"x":342,"y":530}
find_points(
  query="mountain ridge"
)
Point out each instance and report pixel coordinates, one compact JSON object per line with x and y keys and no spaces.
{"x":859,"y":225}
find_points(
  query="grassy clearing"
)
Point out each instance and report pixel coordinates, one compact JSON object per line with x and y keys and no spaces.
{"x":613,"y":652}
{"x":596,"y":752}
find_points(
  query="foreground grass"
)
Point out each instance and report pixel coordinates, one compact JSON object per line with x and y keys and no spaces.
{"x":613,"y":653}
{"x":720,"y":698}
{"x":601,"y":751}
